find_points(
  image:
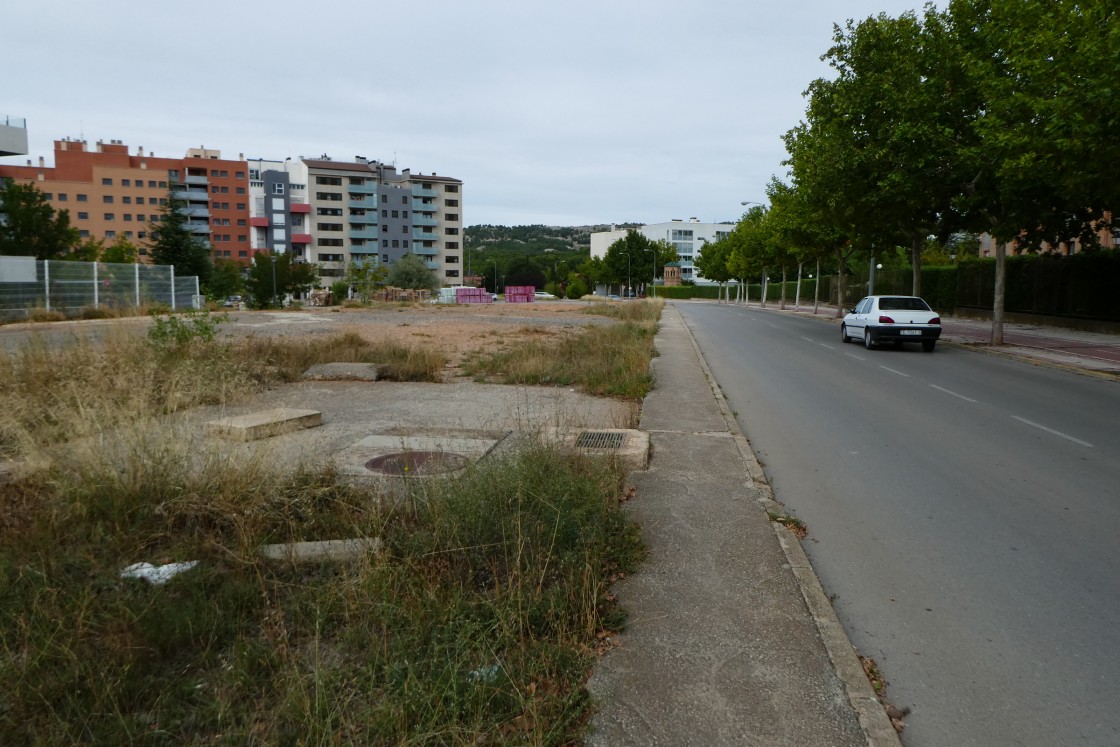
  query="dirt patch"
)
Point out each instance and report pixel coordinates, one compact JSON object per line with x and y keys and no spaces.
{"x":460,"y":331}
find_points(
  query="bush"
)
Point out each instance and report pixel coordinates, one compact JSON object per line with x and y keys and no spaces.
{"x":340,"y":291}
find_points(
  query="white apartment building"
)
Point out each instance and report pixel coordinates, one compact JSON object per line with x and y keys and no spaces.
{"x":687,"y":237}
{"x":335,"y":212}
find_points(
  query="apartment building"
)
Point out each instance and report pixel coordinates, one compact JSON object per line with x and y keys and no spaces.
{"x":279,"y":212}
{"x":687,"y":237}
{"x":110,"y":192}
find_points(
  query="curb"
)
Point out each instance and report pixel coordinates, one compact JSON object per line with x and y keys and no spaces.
{"x":872,"y":714}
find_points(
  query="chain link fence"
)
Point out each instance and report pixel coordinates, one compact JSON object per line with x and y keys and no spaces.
{"x":28,"y":284}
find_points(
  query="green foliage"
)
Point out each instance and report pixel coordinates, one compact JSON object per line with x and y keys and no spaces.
{"x":410,"y":271}
{"x":175,"y":331}
{"x":121,"y":251}
{"x":272,"y":277}
{"x":174,"y":244}
{"x":226,"y":280}
{"x":32,"y":228}
{"x":339,"y":291}
{"x":577,"y":288}
{"x":365,"y":277}
{"x":634,"y":260}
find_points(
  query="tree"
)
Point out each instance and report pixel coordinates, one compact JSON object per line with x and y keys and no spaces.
{"x":226,"y":280}
{"x":32,"y":228}
{"x":410,"y":272}
{"x":87,"y":250}
{"x":634,"y":258}
{"x":174,"y":244}
{"x":365,"y":277}
{"x":122,"y":251}
{"x":712,"y":262}
{"x":272,"y":277}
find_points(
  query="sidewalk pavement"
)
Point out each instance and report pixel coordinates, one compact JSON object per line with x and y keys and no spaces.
{"x":731,"y":640}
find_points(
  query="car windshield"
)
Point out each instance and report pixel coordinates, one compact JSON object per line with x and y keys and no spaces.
{"x":903,"y":304}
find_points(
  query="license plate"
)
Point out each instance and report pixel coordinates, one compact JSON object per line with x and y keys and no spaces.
{"x":910,"y":332}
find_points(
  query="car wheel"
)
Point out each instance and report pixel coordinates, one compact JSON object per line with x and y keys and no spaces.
{"x":867,"y":341}
{"x":844,"y":334}
{"x":928,"y":345}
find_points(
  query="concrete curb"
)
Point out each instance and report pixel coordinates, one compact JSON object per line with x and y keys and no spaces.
{"x":872,"y":715}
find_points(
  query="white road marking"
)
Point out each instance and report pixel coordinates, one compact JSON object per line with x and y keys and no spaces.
{"x":1054,"y":432}
{"x":807,"y":339}
{"x":857,"y":357}
{"x":959,"y":396}
{"x":826,"y":345}
{"x":895,"y":372}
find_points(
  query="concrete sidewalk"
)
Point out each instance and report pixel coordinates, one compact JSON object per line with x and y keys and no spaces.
{"x":731,"y":640}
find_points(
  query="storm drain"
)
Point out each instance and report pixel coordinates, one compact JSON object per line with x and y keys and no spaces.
{"x":600,"y":440}
{"x":417,"y":463}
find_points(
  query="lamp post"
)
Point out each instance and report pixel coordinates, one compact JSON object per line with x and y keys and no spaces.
{"x":273,"y":258}
{"x":495,"y":276}
{"x":653,"y":284}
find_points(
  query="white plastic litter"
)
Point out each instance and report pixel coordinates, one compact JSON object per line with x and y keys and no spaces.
{"x":157,"y":574}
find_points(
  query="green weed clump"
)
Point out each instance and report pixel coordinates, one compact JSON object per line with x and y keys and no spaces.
{"x":286,"y":360}
{"x":475,"y":623}
{"x":609,"y":359}
{"x":645,"y":310}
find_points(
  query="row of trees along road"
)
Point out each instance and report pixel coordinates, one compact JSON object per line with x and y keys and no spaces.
{"x":990,"y":116}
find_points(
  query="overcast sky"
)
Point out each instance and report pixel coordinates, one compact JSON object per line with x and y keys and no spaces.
{"x":559,"y":113}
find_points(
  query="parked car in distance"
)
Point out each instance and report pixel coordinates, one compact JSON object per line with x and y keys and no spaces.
{"x":232,"y":301}
{"x":895,"y":319}
{"x":614,"y":297}
{"x":544,"y":296}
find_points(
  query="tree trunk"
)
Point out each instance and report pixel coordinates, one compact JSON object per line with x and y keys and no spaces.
{"x":916,"y":264}
{"x":817,"y":289}
{"x":839,"y":285}
{"x":783,"y":301}
{"x":1001,"y":283}
{"x":797,"y":293}
{"x":764,"y":289}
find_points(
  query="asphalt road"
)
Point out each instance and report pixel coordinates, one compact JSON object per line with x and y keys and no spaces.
{"x":963,"y":509}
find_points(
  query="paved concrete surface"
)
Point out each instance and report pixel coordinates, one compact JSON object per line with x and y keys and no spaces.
{"x":731,"y":640}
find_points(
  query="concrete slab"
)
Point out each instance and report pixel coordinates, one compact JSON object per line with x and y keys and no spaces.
{"x":338,"y":551}
{"x":264,"y":423}
{"x":457,"y":449}
{"x":342,"y":372}
{"x":628,"y":445}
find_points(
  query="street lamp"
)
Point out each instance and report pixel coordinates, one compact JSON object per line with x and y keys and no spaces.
{"x":653,"y":285}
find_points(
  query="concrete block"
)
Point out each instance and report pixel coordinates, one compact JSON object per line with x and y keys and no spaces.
{"x":264,"y":424}
{"x":342,"y":372}
{"x":337,"y":551}
{"x":629,"y":446}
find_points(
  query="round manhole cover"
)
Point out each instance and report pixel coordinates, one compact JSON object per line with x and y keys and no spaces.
{"x":417,"y":463}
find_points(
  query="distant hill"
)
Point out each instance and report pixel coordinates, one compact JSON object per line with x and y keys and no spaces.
{"x":535,"y":239}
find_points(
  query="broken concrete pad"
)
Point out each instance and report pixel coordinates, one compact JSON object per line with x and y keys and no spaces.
{"x":342,"y":372}
{"x":457,"y":449}
{"x":338,"y":551}
{"x":265,"y":424}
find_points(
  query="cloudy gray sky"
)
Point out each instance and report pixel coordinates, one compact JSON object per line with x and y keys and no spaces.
{"x":557,"y":113}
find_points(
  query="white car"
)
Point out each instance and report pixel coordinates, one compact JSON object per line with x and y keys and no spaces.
{"x":895,"y":319}
{"x":543,"y":296}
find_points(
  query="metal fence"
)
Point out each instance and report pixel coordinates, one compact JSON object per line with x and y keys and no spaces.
{"x":27,"y":284}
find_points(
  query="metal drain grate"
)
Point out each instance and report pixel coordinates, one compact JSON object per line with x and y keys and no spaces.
{"x":600,"y":440}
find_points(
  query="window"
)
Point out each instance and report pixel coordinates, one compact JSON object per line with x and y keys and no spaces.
{"x":141,"y":234}
{"x":385,"y":245}
{"x":680,"y":235}
{"x":334,"y":181}
{"x":396,"y":244}
{"x":214,"y":189}
{"x":241,"y":206}
{"x":163,"y":185}
{"x":452,"y":259}
{"x":385,"y":258}
{"x":328,"y":196}
{"x":404,"y":199}
{"x":152,"y":183}
{"x":82,"y":198}
{"x":396,"y":214}
{"x":328,"y":242}
{"x":239,"y":174}
{"x":225,"y":190}
{"x":172,"y":174}
{"x":404,"y":214}
{"x":110,"y":234}
{"x":214,"y":173}
{"x":83,"y":233}
{"x":62,"y":197}
{"x":328,"y":211}
{"x":384,"y":213}
{"x":297,"y":221}
{"x":254,"y":174}
{"x":451,"y":273}
{"x":452,"y":216}
{"x":107,"y":199}
{"x":153,"y":200}
{"x":126,"y":200}
{"x":241,"y":253}
{"x":126,"y":183}
{"x":224,"y":174}
{"x":384,"y":199}
{"x":404,"y":243}
{"x":109,"y":216}
{"x":330,"y":257}
{"x":83,"y":216}
{"x":452,"y":244}
{"x":48,"y":196}
{"x":241,"y":222}
{"x":451,"y":203}
{"x":277,"y":219}
{"x":451,"y":231}
{"x":451,"y":188}
{"x":279,"y":234}
{"x":128,"y":217}
{"x":404,"y":228}
{"x":106,"y":182}
{"x":329,"y":226}
{"x":277,"y":188}
{"x":242,"y":237}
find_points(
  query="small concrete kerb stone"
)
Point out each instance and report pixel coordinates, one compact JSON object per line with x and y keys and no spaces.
{"x":342,"y":372}
{"x":336,"y":551}
{"x":264,"y":424}
{"x":629,"y":446}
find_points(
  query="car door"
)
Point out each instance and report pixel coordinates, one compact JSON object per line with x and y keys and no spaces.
{"x":858,"y":319}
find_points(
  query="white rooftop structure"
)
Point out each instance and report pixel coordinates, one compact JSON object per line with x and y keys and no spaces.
{"x":687,"y":237}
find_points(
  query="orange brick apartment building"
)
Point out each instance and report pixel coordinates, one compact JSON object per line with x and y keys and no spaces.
{"x":110,"y":193}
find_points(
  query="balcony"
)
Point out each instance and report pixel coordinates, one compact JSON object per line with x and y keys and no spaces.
{"x":363,"y":189}
{"x":364,"y":252}
{"x":192,"y":179}
{"x":432,"y":265}
{"x":259,"y":221}
{"x":364,"y":233}
{"x":421,"y":192}
{"x":300,"y":207}
{"x":427,"y":251}
{"x":369,"y":219}
{"x":192,"y":211}
{"x":202,"y":228}
{"x":191,"y":195}
{"x":424,"y":207}
{"x":368,"y":203}
{"x":420,"y":235}
{"x":424,"y":220}
{"x":301,"y":238}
